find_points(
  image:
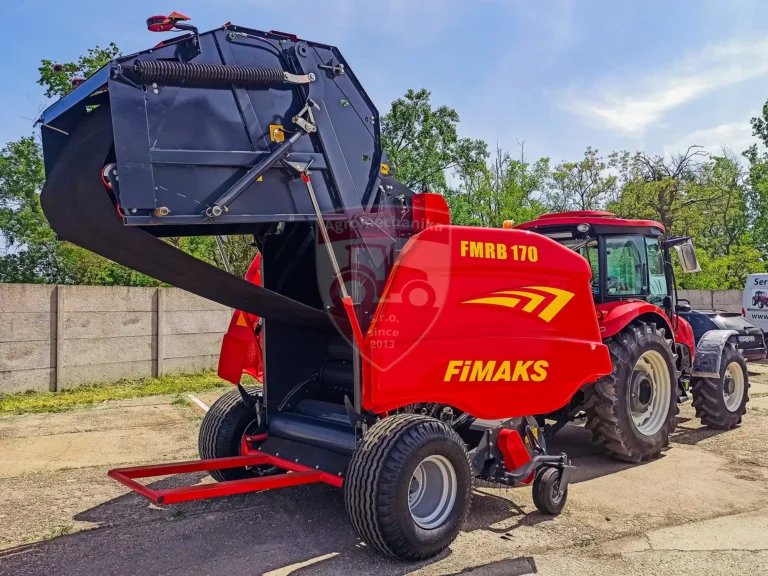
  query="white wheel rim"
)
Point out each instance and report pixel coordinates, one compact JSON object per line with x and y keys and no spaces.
{"x":432,"y":492}
{"x":650,"y":418}
{"x":733,"y":386}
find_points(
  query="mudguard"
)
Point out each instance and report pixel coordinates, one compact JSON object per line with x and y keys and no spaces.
{"x":614,"y":316}
{"x":508,"y":329}
{"x":709,"y":352}
{"x":241,"y":345}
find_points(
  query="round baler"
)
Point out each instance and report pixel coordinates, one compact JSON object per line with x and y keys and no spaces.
{"x":366,"y":295}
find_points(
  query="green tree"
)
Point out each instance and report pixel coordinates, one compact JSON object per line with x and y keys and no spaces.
{"x":694,"y":194}
{"x":758,"y":181}
{"x":57,"y":78}
{"x":582,"y":185}
{"x":505,"y":189}
{"x":423,"y":143}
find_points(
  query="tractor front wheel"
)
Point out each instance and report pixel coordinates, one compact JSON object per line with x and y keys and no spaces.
{"x":408,"y":486}
{"x":631,"y":412}
{"x":721,"y":402}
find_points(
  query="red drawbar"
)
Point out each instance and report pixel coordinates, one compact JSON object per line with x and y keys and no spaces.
{"x":296,"y":474}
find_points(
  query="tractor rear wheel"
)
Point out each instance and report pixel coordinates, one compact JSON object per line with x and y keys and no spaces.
{"x":631,"y":412}
{"x":222,"y":431}
{"x":721,"y":402}
{"x":408,"y":486}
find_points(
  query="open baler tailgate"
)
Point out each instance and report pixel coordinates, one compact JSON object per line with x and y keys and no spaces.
{"x":208,"y":134}
{"x":80,"y":211}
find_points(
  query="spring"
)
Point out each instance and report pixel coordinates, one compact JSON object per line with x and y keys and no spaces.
{"x":175,"y":74}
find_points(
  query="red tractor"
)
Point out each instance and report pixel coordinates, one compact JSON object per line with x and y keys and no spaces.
{"x":655,"y":359}
{"x":760,"y":299}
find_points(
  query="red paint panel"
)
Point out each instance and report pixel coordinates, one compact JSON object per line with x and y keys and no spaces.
{"x":614,"y":316}
{"x":489,"y":336}
{"x":241,"y":347}
{"x":684,"y":335}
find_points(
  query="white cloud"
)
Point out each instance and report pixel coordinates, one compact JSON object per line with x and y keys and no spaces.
{"x":734,"y":137}
{"x":632,"y":105}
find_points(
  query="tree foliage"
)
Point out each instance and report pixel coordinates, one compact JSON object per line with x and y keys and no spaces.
{"x":719,"y":200}
{"x":504,"y":189}
{"x":423,"y":143}
{"x":57,"y":78}
{"x":582,"y":185}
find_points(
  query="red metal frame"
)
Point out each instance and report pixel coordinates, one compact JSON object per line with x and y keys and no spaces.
{"x":296,"y":475}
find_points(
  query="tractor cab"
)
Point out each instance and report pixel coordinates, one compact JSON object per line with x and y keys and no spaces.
{"x":629,"y":258}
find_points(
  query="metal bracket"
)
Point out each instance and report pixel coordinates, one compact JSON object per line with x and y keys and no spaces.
{"x":334,"y":69}
{"x":307,"y":125}
{"x":298,"y":78}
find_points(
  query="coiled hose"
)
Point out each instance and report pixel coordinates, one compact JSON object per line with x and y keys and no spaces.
{"x":176,"y":73}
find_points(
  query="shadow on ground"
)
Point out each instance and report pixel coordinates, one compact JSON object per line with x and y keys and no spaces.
{"x":261,"y":532}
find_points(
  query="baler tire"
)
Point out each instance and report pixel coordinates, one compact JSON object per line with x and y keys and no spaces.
{"x":380,"y":477}
{"x":708,"y":398}
{"x":222,"y":431}
{"x":607,"y":401}
{"x":545,"y":485}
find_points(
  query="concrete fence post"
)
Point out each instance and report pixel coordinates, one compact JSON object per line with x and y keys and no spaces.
{"x":57,"y":383}
{"x":160,"y":329}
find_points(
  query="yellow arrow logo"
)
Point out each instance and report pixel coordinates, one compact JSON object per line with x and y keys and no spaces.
{"x":511,"y":298}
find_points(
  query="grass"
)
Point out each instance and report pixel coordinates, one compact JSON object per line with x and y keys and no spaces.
{"x":73,"y":398}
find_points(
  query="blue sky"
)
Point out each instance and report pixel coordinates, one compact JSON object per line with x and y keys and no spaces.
{"x":557,"y":74}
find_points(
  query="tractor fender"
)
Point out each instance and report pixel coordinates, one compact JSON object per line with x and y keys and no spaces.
{"x":613,"y":317}
{"x":709,"y":351}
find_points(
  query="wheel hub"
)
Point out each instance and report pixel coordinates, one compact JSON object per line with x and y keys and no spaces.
{"x":642,"y":391}
{"x":728,"y":384}
{"x":734,"y":386}
{"x":650,"y":393}
{"x":432,"y":492}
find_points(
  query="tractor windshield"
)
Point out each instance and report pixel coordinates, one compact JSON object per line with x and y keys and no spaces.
{"x":626,"y":262}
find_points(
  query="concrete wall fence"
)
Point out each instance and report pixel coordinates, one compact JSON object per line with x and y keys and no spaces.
{"x":729,"y":300}
{"x":56,"y":337}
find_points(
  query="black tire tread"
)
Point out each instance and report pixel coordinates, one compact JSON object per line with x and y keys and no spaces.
{"x":216,"y":431}
{"x":602,"y":397}
{"x":542,"y":486}
{"x":708,"y":395}
{"x":392,"y":435}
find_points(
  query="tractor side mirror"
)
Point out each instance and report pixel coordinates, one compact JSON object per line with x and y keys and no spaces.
{"x":686,"y":253}
{"x":683,"y":307}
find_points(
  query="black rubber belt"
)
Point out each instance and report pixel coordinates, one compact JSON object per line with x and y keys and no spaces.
{"x":80,"y":211}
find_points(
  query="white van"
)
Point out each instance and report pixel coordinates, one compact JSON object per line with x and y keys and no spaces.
{"x":754,"y":302}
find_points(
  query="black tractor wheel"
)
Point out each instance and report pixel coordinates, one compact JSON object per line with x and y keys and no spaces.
{"x":547,"y":496}
{"x":631,"y":412}
{"x":721,"y":402}
{"x":408,"y":486}
{"x":222,"y":431}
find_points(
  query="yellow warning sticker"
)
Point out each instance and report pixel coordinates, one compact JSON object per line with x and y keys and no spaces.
{"x":241,"y":320}
{"x":385,"y":169}
{"x":276,"y":133}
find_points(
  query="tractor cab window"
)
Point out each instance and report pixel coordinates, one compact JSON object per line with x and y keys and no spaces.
{"x":626,"y":266}
{"x":657,"y":277}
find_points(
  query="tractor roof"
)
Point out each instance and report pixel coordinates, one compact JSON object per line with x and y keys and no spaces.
{"x":600,"y":220}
